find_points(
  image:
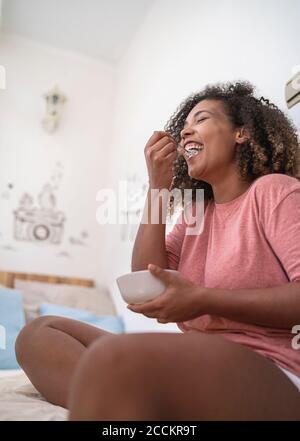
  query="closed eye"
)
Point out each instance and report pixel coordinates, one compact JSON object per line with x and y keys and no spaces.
{"x":202,"y":119}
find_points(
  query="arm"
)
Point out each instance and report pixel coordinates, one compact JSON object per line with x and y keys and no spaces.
{"x":183,"y":300}
{"x":277,"y":307}
{"x":149,"y":245}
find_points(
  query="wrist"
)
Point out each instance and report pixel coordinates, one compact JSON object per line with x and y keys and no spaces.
{"x":157,"y":186}
{"x":208,"y":300}
{"x":158,"y":196}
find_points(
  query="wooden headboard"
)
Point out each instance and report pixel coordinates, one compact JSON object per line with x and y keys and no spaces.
{"x":8,"y":279}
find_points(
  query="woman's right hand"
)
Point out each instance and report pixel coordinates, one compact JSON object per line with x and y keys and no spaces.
{"x":160,"y":153}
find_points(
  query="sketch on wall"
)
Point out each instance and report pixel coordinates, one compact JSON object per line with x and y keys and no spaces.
{"x":43,"y":224}
{"x":6,"y":194}
{"x":37,"y":219}
{"x":64,"y":254}
{"x":81,"y":240}
{"x":9,"y":248}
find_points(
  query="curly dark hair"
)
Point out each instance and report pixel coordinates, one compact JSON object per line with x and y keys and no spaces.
{"x":273,"y":146}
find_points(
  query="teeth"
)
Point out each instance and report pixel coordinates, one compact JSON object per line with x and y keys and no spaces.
{"x":193,"y":148}
{"x":193,"y":145}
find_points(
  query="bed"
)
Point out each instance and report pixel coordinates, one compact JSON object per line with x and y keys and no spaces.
{"x":19,"y":400}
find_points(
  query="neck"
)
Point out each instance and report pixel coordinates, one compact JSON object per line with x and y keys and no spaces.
{"x":229,"y":188}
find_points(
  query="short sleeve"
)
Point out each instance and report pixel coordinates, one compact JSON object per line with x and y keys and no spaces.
{"x":282,"y":230}
{"x":174,"y":242}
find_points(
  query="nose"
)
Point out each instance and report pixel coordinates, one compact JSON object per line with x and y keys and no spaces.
{"x":185,"y":132}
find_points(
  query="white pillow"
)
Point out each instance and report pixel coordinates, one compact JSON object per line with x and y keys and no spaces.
{"x":97,"y":300}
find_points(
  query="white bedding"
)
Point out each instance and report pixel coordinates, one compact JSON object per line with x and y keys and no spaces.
{"x":20,"y":401}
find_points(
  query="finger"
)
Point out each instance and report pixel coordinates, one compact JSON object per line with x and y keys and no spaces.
{"x":164,"y":133}
{"x":167,"y":149}
{"x":151,"y":315}
{"x":162,"y":321}
{"x":171,"y":136}
{"x":157,"y":135}
{"x":156,"y":148}
{"x":166,"y":155}
{"x":148,"y":307}
{"x":161,"y":274}
{"x":163,"y":142}
{"x":171,"y":156}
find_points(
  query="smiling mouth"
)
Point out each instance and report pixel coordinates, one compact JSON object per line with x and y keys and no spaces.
{"x":192,"y":149}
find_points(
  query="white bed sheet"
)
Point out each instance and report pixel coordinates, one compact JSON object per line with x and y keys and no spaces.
{"x":20,"y":401}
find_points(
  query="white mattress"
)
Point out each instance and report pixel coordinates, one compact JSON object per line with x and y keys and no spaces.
{"x":20,"y":401}
{"x":4,"y":373}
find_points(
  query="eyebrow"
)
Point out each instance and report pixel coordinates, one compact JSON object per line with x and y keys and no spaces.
{"x":198,"y":113}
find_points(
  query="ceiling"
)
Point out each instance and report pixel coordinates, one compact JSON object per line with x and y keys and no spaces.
{"x":97,"y":28}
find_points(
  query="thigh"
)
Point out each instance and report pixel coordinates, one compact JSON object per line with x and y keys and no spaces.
{"x":49,"y":349}
{"x":189,"y":376}
{"x":82,"y":332}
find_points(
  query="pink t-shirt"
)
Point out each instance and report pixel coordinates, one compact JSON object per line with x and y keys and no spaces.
{"x":252,"y":241}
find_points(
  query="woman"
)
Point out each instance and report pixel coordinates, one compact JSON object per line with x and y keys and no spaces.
{"x":236,"y":298}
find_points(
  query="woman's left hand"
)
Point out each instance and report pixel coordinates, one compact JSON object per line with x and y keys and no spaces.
{"x":182,"y":300}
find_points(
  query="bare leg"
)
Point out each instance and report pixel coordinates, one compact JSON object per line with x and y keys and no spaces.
{"x":49,"y":349}
{"x":179,"y":377}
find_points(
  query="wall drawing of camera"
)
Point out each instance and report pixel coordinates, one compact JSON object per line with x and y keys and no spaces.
{"x":39,"y":226}
{"x":43,"y":224}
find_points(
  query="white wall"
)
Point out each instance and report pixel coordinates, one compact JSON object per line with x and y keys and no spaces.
{"x":182,"y":47}
{"x":29,"y":155}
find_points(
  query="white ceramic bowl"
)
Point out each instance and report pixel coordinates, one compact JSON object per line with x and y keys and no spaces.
{"x":140,"y":286}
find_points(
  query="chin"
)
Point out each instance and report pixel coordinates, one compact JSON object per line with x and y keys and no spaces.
{"x":195,"y":174}
{"x":197,"y":171}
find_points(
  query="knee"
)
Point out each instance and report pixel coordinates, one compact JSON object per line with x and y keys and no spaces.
{"x":117,"y":354}
{"x":110,"y":368}
{"x":25,"y":340}
{"x":105,"y":354}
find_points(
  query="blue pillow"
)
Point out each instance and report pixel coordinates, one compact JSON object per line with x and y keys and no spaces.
{"x":110,"y":323}
{"x":12,"y":321}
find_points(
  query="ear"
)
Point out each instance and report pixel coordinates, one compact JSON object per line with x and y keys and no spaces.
{"x":242,"y":135}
